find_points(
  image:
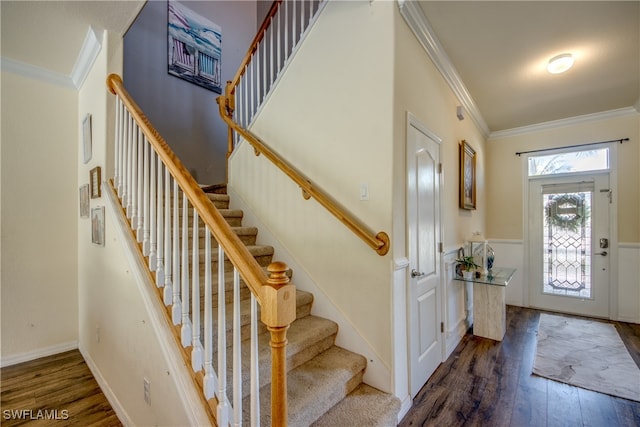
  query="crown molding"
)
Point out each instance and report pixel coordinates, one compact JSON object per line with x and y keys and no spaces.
{"x":84,"y":62}
{"x":31,"y":71}
{"x":554,"y":124}
{"x":417,"y":21}
{"x":87,"y":57}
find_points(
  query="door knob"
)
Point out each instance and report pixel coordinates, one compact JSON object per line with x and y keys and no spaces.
{"x":603,"y":253}
{"x":415,"y":273}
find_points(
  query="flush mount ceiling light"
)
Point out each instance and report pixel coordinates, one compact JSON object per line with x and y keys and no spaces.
{"x":560,"y":64}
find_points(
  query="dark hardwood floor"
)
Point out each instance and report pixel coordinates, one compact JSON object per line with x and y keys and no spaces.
{"x":483,"y":383}
{"x":489,"y":383}
{"x":57,"y":390}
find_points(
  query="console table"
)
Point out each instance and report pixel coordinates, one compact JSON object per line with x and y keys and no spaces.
{"x":489,"y":302}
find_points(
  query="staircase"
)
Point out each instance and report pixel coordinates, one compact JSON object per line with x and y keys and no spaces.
{"x":324,"y":381}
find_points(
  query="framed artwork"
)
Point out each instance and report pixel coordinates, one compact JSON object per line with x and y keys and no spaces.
{"x":467,"y":176}
{"x":86,"y":138}
{"x":194,"y":47}
{"x":84,"y":201}
{"x":94,"y":182}
{"x":97,"y":225}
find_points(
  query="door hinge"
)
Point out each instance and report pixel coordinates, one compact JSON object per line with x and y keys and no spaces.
{"x":439,"y":167}
{"x":609,"y":194}
{"x":442,"y":327}
{"x":440,"y":247}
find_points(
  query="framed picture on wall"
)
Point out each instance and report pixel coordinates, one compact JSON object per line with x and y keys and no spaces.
{"x":467,"y":176}
{"x":86,"y":138}
{"x":97,"y":225}
{"x":194,"y":47}
{"x":84,"y":201}
{"x":94,"y":182}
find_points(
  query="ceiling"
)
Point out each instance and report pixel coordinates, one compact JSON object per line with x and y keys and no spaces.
{"x":498,"y":49}
{"x":49,"y":34}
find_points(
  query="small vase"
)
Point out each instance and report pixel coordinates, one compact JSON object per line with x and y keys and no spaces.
{"x":467,"y":275}
{"x":491,"y":256}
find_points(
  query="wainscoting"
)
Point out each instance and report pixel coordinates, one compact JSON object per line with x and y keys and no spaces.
{"x":458,"y":314}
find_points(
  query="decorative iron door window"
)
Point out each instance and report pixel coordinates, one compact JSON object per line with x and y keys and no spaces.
{"x":567,"y":243}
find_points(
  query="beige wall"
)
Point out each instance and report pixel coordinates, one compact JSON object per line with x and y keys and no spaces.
{"x":421,"y":90}
{"x":329,"y":117}
{"x":505,"y":172}
{"x":39,"y":218}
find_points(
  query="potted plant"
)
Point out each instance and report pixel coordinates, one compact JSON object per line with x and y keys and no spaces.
{"x":468,"y":266}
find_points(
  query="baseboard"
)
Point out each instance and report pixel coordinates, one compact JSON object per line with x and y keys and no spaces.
{"x":106,"y":390}
{"x":405,"y":405}
{"x":38,"y":353}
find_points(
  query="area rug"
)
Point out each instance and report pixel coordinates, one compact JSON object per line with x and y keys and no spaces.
{"x":587,"y":354}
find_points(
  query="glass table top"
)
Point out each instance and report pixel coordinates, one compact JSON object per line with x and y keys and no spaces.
{"x":497,"y":276}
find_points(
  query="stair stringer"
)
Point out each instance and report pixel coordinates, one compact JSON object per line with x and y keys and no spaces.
{"x":377,"y":373}
{"x":190,"y":396}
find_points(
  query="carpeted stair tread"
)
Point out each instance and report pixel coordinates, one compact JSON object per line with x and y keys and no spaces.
{"x":303,"y":309}
{"x":363,"y":407}
{"x":315,"y":386}
{"x":306,"y":337}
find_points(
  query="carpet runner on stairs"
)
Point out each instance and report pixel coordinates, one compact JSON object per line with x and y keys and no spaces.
{"x":324,"y":381}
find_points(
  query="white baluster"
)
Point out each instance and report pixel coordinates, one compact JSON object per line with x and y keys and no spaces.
{"x":264,"y":67}
{"x":223,"y":402}
{"x":302,"y":28}
{"x":146,"y":243}
{"x":168,"y":279}
{"x":255,"y":370}
{"x":134,"y":177}
{"x":118,"y":149}
{"x":272,"y":60}
{"x":294,"y":21}
{"x":130,"y":167}
{"x":286,"y":29}
{"x":259,"y":66}
{"x":160,"y":227}
{"x":237,"y":351}
{"x":186,"y":322}
{"x":153,"y":232}
{"x":196,"y":349}
{"x":176,"y":312}
{"x":279,"y":38}
{"x":125,"y":150}
{"x":140,"y":192}
{"x":209,"y":377}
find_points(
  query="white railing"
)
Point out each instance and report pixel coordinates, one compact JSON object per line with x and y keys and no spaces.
{"x":168,"y":212}
{"x":284,"y":28}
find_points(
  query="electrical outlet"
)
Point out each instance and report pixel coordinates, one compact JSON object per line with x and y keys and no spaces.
{"x":147,"y":391}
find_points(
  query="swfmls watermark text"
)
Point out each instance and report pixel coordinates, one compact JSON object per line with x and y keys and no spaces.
{"x":35,"y":414}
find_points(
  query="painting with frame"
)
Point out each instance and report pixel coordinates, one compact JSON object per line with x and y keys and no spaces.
{"x":467,"y":176}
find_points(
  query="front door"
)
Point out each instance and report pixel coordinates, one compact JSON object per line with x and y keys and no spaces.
{"x":425,"y":289}
{"x":569,"y":244}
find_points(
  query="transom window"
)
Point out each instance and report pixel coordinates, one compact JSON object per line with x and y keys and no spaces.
{"x":568,"y":162}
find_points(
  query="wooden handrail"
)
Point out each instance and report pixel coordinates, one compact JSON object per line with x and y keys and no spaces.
{"x":274,"y":293}
{"x":254,"y":45}
{"x":236,"y":251}
{"x":378,"y":242}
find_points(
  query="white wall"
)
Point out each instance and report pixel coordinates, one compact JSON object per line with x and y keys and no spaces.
{"x":116,"y":330}
{"x":39,"y":219}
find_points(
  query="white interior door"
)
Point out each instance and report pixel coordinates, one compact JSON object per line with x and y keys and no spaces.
{"x":569,"y":244}
{"x":425,"y":288}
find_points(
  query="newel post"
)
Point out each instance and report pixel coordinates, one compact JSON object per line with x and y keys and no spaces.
{"x":278,"y":312}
